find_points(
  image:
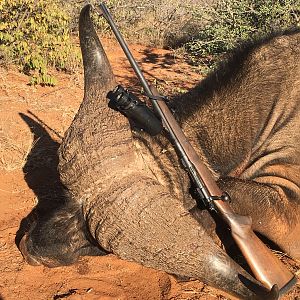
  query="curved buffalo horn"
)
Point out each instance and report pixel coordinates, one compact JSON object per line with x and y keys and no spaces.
{"x":97,"y":70}
{"x":95,"y":122}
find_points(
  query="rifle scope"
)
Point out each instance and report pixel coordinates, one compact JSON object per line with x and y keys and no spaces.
{"x":135,"y":110}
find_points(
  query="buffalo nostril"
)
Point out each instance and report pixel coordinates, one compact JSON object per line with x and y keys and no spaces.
{"x":29,"y":259}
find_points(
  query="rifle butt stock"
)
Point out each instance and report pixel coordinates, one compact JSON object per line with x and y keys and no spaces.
{"x":265,"y":265}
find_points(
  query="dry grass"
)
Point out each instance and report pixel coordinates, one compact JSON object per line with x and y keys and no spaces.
{"x":13,"y":149}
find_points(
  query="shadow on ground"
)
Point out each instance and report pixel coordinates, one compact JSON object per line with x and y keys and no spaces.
{"x":157,"y":60}
{"x":40,"y":172}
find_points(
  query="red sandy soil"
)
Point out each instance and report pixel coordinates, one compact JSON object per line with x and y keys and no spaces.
{"x":32,"y":122}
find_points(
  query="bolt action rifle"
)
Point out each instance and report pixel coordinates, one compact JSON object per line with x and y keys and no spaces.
{"x":266,"y":267}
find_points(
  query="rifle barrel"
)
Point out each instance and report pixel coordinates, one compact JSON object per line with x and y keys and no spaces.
{"x":126,"y":50}
{"x":158,"y":104}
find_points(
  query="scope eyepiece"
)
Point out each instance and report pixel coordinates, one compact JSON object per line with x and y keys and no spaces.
{"x":135,"y":110}
{"x":121,"y":98}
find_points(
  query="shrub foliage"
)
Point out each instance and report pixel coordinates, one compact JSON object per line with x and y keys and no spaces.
{"x":35,"y":36}
{"x":230,"y":21}
{"x":205,"y":29}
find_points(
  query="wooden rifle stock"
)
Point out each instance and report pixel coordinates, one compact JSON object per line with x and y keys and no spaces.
{"x":266,"y":267}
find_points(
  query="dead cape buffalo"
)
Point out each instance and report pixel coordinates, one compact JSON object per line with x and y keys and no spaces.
{"x":128,"y":194}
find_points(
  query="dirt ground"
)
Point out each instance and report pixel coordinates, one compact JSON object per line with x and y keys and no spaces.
{"x":32,"y":123}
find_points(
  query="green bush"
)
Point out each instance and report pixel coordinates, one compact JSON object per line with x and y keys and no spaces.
{"x":35,"y":36}
{"x":230,"y":21}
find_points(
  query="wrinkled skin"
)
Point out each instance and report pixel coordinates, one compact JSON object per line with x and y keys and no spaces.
{"x":128,"y":194}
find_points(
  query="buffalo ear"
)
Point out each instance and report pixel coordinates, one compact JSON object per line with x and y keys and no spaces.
{"x":97,"y":70}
